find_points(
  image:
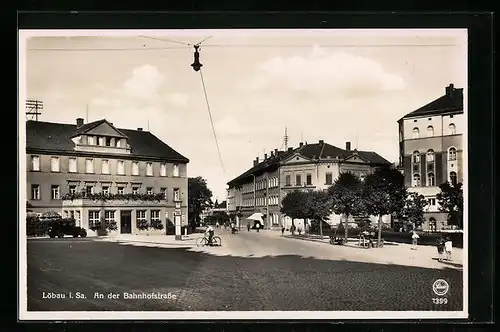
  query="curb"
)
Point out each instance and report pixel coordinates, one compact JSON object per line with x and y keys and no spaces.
{"x":148,"y":242}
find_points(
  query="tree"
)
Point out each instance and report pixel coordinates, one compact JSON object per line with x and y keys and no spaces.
{"x":414,"y":208}
{"x":346,"y":196}
{"x":318,"y":207}
{"x":451,"y":201}
{"x":199,"y":198}
{"x":293,"y":206}
{"x":383,"y":193}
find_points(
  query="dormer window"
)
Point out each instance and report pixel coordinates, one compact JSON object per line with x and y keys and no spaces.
{"x":118,"y":143}
{"x":101,"y":141}
{"x":108,"y":141}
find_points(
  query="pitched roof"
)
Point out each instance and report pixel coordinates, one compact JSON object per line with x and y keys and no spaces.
{"x":221,"y":205}
{"x":91,"y":125}
{"x":451,"y":102}
{"x":57,"y":137}
{"x":319,"y":150}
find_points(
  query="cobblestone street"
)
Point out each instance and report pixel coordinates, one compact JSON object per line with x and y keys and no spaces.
{"x":251,"y":271}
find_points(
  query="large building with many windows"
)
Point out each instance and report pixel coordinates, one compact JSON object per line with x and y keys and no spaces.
{"x":431,"y":146}
{"x":308,"y":167}
{"x":95,"y":172}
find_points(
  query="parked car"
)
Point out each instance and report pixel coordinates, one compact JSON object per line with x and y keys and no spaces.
{"x":62,"y":227}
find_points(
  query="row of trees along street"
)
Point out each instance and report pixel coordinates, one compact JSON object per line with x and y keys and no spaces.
{"x":382,"y":192}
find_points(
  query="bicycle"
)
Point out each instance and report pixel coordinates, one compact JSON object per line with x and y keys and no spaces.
{"x":203,"y":241}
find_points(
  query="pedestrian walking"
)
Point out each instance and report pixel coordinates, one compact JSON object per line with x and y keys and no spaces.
{"x":282,"y":231}
{"x":440,"y":248}
{"x":414,"y":238}
{"x":248,"y":226}
{"x":448,"y":245}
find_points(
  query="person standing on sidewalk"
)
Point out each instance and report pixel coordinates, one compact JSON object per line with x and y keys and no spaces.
{"x":448,"y":245}
{"x":414,"y":238}
{"x":248,"y":226}
{"x":282,"y":231}
{"x":440,"y":248}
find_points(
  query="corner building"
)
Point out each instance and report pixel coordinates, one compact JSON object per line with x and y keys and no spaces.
{"x":308,"y":167}
{"x":68,"y":165}
{"x":431,"y":150}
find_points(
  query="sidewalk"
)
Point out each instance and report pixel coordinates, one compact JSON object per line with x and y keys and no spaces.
{"x":391,"y":253}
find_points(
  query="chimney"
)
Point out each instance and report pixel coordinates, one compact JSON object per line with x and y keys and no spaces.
{"x":79,"y":122}
{"x":449,"y":90}
{"x":139,"y":129}
{"x":265,"y":156}
{"x":301,"y":144}
{"x":290,"y":149}
{"x":321,"y":142}
{"x":348,"y":146}
{"x":275,"y":152}
{"x":256,"y":161}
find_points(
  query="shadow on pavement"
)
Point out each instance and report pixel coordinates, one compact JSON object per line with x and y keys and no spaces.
{"x":201,"y":281}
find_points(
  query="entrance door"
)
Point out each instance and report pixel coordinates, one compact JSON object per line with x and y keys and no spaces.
{"x":125,"y":222}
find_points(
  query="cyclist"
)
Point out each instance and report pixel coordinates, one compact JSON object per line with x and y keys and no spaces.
{"x":210,"y":233}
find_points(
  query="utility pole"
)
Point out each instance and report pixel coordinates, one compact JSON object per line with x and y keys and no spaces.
{"x":33,"y":108}
{"x":285,"y":139}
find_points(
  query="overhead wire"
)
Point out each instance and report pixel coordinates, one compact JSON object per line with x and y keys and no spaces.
{"x":211,"y":121}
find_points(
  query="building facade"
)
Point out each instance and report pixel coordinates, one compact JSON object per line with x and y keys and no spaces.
{"x":96,"y":171}
{"x":307,"y":167}
{"x":431,"y":146}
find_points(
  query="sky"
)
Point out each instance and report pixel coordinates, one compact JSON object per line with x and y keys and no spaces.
{"x":334,"y":85}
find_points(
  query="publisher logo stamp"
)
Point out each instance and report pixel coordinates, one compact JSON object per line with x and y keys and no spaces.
{"x":440,"y":287}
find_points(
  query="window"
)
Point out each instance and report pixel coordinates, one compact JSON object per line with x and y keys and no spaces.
{"x":108,"y":141}
{"x":328,"y":178}
{"x":77,"y":218}
{"x":54,"y":164}
{"x":164,"y":192}
{"x":90,"y":140}
{"x":430,"y":156}
{"x":416,"y":132}
{"x":35,"y":163}
{"x":298,"y":180}
{"x":155,"y":215}
{"x":141,"y":217}
{"x":430,"y":131}
{"x":72,"y":189}
{"x":118,"y":142}
{"x":101,"y":141}
{"x":120,"y":167}
{"x":176,"y":170}
{"x":451,"y":128}
{"x":35,"y":191}
{"x":149,"y":190}
{"x":416,"y":157}
{"x":288,"y":180}
{"x":72,"y":165}
{"x":105,"y":190}
{"x":109,"y":216}
{"x":121,"y":190}
{"x":309,"y":179}
{"x":93,"y":219}
{"x":432,"y":201}
{"x":177,"y":194}
{"x":135,"y":190}
{"x":135,"y":168}
{"x":431,"y":180}
{"x":105,"y":167}
{"x":453,"y":178}
{"x":452,"y":154}
{"x":89,"y":189}
{"x":163,"y":170}
{"x":416,"y":168}
{"x":89,"y":166}
{"x":362,"y":176}
{"x":149,"y":169}
{"x":416,"y":180}
{"x":55,"y":191}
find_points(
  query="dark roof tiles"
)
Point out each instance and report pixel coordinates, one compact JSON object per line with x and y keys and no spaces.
{"x":451,"y":102}
{"x":57,"y":137}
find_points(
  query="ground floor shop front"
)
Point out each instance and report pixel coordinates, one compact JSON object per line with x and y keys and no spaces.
{"x":127,"y":217}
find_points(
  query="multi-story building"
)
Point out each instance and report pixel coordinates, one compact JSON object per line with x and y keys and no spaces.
{"x":431,"y":149}
{"x":70,"y":167}
{"x":307,"y":167}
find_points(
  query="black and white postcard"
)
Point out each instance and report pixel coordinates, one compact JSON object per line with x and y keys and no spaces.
{"x":243,"y":174}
